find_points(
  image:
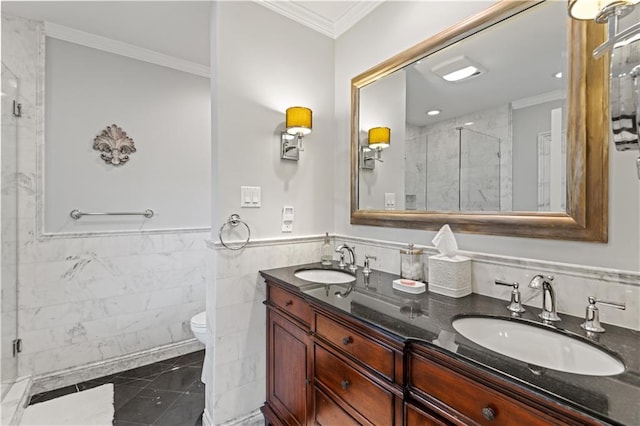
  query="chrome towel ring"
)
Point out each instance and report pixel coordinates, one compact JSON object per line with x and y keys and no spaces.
{"x":233,"y":221}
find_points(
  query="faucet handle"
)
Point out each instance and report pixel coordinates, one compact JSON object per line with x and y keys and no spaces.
{"x":515,"y":305}
{"x":367,"y":270}
{"x":592,"y":314}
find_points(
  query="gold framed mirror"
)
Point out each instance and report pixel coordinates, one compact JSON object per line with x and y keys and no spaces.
{"x":581,"y":212}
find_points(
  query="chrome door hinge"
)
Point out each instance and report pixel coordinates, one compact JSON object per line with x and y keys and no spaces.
{"x":17,"y":109}
{"x":17,"y":347}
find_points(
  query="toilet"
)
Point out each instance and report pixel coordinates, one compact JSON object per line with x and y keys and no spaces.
{"x":199,"y":329}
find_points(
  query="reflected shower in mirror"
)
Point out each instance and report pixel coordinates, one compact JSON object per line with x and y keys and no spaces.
{"x":479,"y":125}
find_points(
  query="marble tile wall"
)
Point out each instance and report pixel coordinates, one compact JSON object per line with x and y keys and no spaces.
{"x":415,"y":168}
{"x":573,"y":283}
{"x":91,"y":298}
{"x":240,"y":318}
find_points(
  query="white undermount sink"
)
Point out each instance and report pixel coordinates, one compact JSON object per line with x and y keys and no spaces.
{"x":324,"y":276}
{"x":539,"y":345}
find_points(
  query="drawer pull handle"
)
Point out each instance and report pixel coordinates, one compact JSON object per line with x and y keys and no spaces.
{"x":345,"y":384}
{"x":289,"y":303}
{"x":488,"y":413}
{"x":347,"y":340}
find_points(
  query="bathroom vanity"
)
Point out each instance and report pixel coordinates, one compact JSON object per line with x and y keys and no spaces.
{"x":372,"y":355}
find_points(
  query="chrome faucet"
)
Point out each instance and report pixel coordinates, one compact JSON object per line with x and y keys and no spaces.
{"x":352,"y":257}
{"x":549,"y":312}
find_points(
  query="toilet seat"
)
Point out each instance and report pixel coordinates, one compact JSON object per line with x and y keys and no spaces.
{"x":199,"y":321}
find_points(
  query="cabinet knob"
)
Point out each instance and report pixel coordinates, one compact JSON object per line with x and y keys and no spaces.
{"x":289,"y":303}
{"x":488,"y":413}
{"x":345,"y":384}
{"x":308,"y":382}
{"x":347,"y":340}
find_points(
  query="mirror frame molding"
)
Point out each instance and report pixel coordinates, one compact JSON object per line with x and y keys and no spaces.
{"x":586,"y":218}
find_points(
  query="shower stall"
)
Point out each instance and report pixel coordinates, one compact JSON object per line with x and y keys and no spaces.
{"x":9,"y":218}
{"x":463,"y":171}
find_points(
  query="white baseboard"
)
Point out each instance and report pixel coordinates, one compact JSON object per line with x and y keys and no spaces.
{"x":59,"y":379}
{"x":254,"y":418}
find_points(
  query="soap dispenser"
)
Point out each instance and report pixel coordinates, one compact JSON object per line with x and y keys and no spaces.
{"x":326,"y":252}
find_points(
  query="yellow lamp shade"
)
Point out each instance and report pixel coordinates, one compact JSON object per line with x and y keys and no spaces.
{"x":379,"y":137}
{"x":299,"y":120}
{"x":584,"y":9}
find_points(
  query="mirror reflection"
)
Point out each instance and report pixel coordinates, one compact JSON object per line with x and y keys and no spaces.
{"x":479,"y":125}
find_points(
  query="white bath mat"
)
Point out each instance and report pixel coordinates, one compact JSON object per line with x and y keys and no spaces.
{"x":89,"y":407}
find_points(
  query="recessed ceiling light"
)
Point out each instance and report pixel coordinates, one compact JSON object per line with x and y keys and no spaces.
{"x":461,"y":74}
{"x":468,"y":123}
{"x":558,"y":74}
{"x":434,"y":112}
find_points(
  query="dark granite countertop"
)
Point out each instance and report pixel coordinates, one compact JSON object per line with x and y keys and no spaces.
{"x":426,"y":318}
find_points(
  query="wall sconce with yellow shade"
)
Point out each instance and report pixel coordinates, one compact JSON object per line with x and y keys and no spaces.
{"x":379,"y":139}
{"x":298,"y":123}
{"x":624,"y":96}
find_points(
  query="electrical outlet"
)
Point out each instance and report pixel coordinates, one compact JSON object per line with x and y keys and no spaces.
{"x":287,"y":219}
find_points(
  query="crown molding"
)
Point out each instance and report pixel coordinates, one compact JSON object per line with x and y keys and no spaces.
{"x":105,"y":44}
{"x":355,"y":13}
{"x":556,"y":95}
{"x":301,"y":14}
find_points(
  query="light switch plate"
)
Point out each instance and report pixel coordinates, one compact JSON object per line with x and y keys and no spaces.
{"x":250,"y":196}
{"x":389,"y":200}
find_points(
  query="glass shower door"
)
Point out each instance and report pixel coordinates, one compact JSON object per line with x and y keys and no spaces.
{"x":9,"y":219}
{"x":479,"y":171}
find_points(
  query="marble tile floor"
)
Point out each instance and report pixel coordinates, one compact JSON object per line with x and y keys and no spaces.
{"x":166,"y":393}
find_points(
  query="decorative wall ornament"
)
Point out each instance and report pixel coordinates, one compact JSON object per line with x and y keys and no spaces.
{"x":114,"y":144}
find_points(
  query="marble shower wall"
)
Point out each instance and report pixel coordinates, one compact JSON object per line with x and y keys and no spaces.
{"x":415,"y":168}
{"x":435,"y":164}
{"x":240,"y":318}
{"x":92,"y":298}
{"x":9,"y":195}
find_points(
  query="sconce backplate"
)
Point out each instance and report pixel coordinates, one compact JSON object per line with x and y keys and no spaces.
{"x":289,"y":147}
{"x":367,"y":159}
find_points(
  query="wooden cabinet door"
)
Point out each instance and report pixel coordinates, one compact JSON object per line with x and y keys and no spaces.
{"x":289,"y":370}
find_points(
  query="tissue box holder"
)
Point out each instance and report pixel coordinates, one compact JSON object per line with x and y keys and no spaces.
{"x":450,"y":276}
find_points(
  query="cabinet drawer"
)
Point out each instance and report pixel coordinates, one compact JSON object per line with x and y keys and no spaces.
{"x":376,"y":356}
{"x":328,"y":413}
{"x":291,"y":303}
{"x":414,"y":416}
{"x":477,"y":402}
{"x":366,"y":397}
